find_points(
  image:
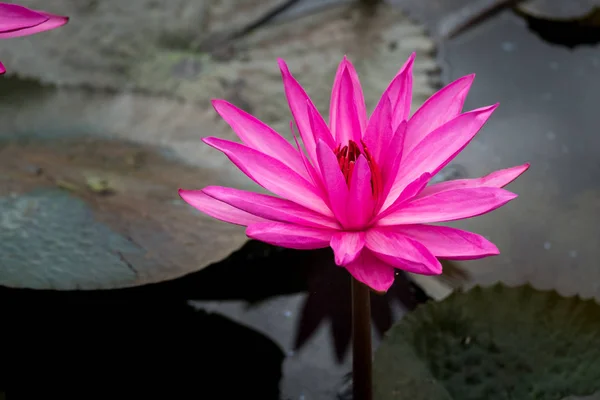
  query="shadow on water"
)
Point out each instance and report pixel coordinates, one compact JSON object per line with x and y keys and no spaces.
{"x":120,"y":340}
{"x":79,"y":344}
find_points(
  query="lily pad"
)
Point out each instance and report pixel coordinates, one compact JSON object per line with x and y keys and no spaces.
{"x":493,"y":343}
{"x":173,"y":49}
{"x":79,"y":213}
{"x":558,"y":10}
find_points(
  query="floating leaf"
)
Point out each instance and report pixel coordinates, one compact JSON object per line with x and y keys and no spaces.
{"x":447,"y":18}
{"x":493,"y":343}
{"x":58,"y":232}
{"x":158,"y":48}
{"x":559,"y":10}
{"x":568,"y":23}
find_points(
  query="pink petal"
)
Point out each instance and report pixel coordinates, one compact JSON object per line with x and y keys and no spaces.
{"x":439,"y":148}
{"x":218,"y":209}
{"x":448,"y":206}
{"x":52,"y":22}
{"x":371,"y":271}
{"x":258,"y":136}
{"x":346,"y":246}
{"x":347,"y":111}
{"x":411,"y":191}
{"x":300,"y":103}
{"x":315,"y":177}
{"x":440,"y":108}
{"x":392,"y":158}
{"x":14,"y":17}
{"x":399,"y":92}
{"x":2,"y":69}
{"x":449,"y":243}
{"x":271,"y":174}
{"x":320,"y":131}
{"x":334,"y":181}
{"x":498,"y":179}
{"x":402,"y":252}
{"x":359,"y":207}
{"x":379,"y":132}
{"x":290,"y":236}
{"x":269,"y":207}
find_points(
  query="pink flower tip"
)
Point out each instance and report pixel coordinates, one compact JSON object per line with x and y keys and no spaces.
{"x":283,"y":66}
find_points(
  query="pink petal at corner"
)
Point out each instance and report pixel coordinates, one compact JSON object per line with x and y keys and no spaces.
{"x":52,"y":22}
{"x":449,"y":205}
{"x":449,"y":243}
{"x":402,"y":252}
{"x":259,"y":136}
{"x":290,"y":236}
{"x":497,"y":179}
{"x":439,"y":148}
{"x":347,"y":246}
{"x":270,"y":208}
{"x":443,"y":106}
{"x":217,"y":209}
{"x":371,"y":271}
{"x":14,"y":17}
{"x":271,"y":174}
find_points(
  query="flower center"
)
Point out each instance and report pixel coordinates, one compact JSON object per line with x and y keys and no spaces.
{"x":347,"y":157}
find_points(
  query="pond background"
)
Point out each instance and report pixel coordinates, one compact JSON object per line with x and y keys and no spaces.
{"x":101,"y":122}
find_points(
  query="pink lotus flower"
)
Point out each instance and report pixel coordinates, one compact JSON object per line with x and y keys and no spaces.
{"x":18,"y":21}
{"x":361,"y":184}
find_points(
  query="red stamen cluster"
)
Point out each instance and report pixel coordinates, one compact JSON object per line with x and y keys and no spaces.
{"x":347,"y":157}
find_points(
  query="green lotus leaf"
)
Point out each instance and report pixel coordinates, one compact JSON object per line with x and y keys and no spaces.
{"x":493,"y":343}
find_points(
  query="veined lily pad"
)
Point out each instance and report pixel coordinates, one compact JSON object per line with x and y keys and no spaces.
{"x":493,"y":343}
{"x":100,"y":214}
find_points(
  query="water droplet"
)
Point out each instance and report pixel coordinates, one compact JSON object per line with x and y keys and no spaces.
{"x":553,"y":65}
{"x":596,"y":62}
{"x":547,"y":245}
{"x":301,"y":397}
{"x":565,"y":149}
{"x":550,"y":135}
{"x":290,"y":353}
{"x":508,"y":46}
{"x":547,"y":96}
{"x":287,"y":313}
{"x":573,"y":253}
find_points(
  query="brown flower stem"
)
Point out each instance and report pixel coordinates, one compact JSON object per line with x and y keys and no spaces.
{"x":362,"y":381}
